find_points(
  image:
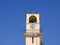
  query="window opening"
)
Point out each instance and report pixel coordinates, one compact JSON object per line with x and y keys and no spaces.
{"x":32,"y":19}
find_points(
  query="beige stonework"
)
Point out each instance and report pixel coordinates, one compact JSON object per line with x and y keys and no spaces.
{"x":29,"y":41}
{"x":30,"y":14}
{"x":37,"y":25}
{"x":35,"y":33}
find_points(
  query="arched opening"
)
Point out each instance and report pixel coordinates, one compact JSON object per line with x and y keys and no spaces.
{"x":32,"y":19}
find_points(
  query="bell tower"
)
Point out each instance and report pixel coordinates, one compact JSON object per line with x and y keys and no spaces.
{"x":33,"y":35}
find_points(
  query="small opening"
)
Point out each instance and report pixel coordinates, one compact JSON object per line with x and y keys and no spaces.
{"x":32,"y":19}
{"x":32,"y":39}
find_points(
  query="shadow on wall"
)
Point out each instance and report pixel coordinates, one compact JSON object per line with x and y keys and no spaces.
{"x":41,"y":43}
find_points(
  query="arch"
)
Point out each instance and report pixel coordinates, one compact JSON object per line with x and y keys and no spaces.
{"x":32,"y":19}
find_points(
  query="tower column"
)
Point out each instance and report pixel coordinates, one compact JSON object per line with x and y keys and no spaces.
{"x":33,"y":36}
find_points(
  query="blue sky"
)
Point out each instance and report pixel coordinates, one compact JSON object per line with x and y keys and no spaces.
{"x":12,"y":20}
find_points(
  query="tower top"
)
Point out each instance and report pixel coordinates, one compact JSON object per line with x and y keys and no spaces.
{"x":33,"y":16}
{"x":33,"y":22}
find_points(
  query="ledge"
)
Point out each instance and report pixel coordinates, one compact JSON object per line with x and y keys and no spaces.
{"x":32,"y":34}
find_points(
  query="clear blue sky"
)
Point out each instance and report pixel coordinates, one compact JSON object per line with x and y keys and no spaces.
{"x":12,"y":20}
